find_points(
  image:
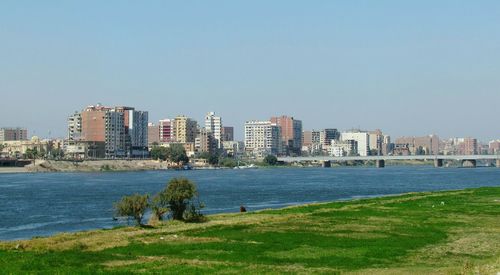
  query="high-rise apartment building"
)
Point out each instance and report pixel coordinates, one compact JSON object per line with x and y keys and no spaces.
{"x":138,"y":133}
{"x":13,"y":134}
{"x":205,"y":142}
{"x":166,"y":130}
{"x":291,"y":133}
{"x":362,"y":139}
{"x":115,"y":139}
{"x":184,"y":129}
{"x":75,"y":126}
{"x":93,"y":123}
{"x":213,"y":124}
{"x":118,"y":132}
{"x":262,"y":138}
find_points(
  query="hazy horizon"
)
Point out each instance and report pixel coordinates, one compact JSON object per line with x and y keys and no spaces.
{"x":406,"y":68}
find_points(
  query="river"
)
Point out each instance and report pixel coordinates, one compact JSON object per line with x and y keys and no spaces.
{"x":43,"y":204}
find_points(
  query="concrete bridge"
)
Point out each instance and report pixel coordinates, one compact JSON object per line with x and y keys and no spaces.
{"x":467,"y":160}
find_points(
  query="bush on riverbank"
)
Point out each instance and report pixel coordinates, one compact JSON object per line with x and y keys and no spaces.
{"x":133,"y":206}
{"x":179,"y":197}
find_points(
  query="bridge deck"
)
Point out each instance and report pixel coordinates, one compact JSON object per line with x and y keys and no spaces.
{"x":368,"y":158}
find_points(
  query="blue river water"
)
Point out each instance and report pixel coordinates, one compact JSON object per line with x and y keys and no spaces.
{"x":47,"y":203}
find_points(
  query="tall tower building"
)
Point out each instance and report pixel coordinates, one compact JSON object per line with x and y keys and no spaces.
{"x":115,"y":139}
{"x":166,"y":130}
{"x":291,"y":133}
{"x":74,"y":126}
{"x":93,"y":123}
{"x":112,"y":132}
{"x":214,"y":124}
{"x":184,"y":129}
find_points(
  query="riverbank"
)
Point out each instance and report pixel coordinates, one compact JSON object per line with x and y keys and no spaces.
{"x":438,"y":232}
{"x":8,"y":170}
{"x":95,"y":166}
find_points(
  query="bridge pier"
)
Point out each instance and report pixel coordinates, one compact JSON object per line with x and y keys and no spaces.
{"x":326,"y":164}
{"x":380,"y":163}
{"x":469,"y":163}
{"x":438,"y":163}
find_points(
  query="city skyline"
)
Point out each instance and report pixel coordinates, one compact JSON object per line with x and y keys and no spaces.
{"x":237,"y":135}
{"x":408,"y":68}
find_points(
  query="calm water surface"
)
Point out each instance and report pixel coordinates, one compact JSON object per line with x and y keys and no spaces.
{"x":45,"y":204}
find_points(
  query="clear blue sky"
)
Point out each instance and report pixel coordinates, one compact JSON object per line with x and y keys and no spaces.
{"x":406,"y":67}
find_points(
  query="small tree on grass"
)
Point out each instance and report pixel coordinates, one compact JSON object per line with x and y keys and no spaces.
{"x":181,"y":195}
{"x":159,"y":206}
{"x":133,"y":206}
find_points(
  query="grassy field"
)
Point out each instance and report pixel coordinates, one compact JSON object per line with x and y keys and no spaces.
{"x":455,"y":232}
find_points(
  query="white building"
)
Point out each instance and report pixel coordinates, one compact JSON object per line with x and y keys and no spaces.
{"x":214,"y":124}
{"x":343,"y":148}
{"x":362,"y":138}
{"x":262,"y":138}
{"x":75,"y":126}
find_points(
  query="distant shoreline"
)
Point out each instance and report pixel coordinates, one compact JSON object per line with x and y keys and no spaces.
{"x":13,"y":170}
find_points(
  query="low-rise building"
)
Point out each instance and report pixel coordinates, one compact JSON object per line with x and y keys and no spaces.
{"x":426,"y":145}
{"x":18,"y":148}
{"x":234,"y":148}
{"x":343,"y":148}
{"x":494,"y":147}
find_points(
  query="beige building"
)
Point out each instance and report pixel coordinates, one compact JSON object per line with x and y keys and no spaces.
{"x":184,"y":129}
{"x":205,"y":142}
{"x":18,"y":148}
{"x":427,"y":145}
{"x":262,"y":138}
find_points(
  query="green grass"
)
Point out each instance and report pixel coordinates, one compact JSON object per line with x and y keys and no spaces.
{"x":451,"y":232}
